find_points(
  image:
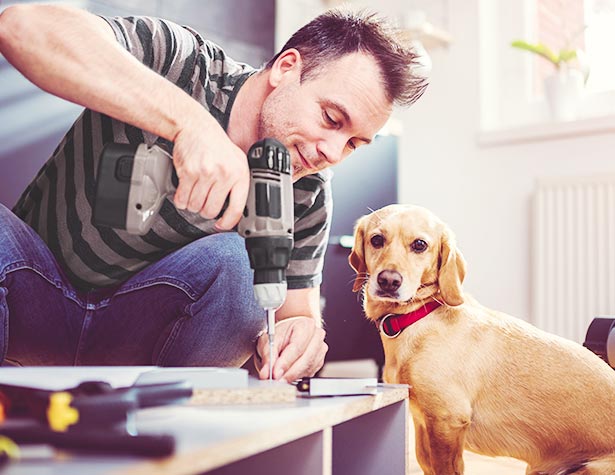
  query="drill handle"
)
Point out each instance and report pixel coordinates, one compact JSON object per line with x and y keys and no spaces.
{"x":270,"y":205}
{"x":131,"y":185}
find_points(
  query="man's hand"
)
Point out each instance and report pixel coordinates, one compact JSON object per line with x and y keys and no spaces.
{"x":210,"y":167}
{"x":300,"y":347}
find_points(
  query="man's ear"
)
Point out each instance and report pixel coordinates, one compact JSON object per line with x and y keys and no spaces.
{"x":452,"y":270}
{"x":357,"y":256}
{"x":289,"y":62}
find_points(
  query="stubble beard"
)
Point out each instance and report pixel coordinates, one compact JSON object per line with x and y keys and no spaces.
{"x":267,"y":128}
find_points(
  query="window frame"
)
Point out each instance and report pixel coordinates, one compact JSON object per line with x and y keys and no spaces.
{"x":506,"y":74}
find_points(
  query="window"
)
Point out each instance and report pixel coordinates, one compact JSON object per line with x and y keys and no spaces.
{"x":559,"y":24}
{"x":512,"y":81}
{"x":599,"y":42}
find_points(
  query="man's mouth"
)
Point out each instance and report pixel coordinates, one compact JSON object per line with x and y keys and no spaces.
{"x":304,"y":162}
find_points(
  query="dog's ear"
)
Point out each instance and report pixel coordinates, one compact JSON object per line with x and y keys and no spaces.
{"x":452,"y":270}
{"x":357,"y":256}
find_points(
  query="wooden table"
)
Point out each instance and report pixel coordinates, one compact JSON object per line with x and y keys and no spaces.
{"x":332,"y":435}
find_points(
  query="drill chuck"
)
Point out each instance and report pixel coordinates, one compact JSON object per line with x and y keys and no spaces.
{"x":269,"y":258}
{"x":270,"y":296}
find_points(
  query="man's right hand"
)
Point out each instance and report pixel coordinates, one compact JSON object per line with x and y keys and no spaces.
{"x":210,"y":167}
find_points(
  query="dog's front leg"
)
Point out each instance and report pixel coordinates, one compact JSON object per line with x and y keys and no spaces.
{"x":421,"y":438}
{"x":446,"y":433}
{"x":446,"y":443}
{"x":423,"y":450}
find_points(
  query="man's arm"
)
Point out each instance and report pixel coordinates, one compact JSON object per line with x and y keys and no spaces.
{"x":74,"y":54}
{"x":304,"y":302}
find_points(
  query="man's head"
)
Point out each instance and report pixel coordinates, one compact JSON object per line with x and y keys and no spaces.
{"x":339,"y":32}
{"x":333,"y":86}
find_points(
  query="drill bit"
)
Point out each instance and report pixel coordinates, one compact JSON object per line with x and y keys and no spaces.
{"x":271,"y":335}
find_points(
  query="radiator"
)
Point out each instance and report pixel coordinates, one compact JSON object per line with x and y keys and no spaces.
{"x":573,"y":253}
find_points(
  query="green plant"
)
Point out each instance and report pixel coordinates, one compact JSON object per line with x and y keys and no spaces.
{"x":563,"y":56}
{"x":557,"y":59}
{"x":568,"y":57}
{"x":572,"y":58}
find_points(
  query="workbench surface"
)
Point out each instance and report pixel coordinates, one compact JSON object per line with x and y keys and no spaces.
{"x":347,"y":434}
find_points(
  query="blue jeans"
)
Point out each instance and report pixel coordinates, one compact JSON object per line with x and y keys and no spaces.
{"x":194,"y":307}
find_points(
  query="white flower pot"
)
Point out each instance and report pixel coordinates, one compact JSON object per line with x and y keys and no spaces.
{"x":563,"y":91}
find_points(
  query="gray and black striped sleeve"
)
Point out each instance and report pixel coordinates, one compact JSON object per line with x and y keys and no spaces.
{"x":313,"y":211}
{"x":163,"y":46}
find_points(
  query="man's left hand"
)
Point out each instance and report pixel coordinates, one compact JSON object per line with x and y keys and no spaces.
{"x":300,"y":347}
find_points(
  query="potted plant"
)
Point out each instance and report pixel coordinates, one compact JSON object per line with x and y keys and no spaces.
{"x":563,"y":88}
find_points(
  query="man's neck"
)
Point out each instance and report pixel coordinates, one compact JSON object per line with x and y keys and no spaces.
{"x":244,"y":119}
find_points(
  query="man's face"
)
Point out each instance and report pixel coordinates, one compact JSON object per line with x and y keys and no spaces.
{"x":322,"y":120}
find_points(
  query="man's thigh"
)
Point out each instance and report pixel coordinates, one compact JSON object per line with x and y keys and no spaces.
{"x":195,"y":306}
{"x":40,"y":313}
{"x":43,"y":325}
{"x":128,"y":328}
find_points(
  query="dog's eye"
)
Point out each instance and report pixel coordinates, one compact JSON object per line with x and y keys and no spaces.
{"x":418,"y":245}
{"x":377,"y":241}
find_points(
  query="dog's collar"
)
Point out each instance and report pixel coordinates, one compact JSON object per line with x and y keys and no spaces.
{"x":392,"y":324}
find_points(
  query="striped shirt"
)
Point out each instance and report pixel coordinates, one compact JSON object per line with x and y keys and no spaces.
{"x":58,"y":203}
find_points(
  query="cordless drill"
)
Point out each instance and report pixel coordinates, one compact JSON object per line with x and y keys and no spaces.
{"x":134,"y":180}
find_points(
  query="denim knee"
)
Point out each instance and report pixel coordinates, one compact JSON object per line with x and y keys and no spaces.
{"x":21,"y":247}
{"x":4,"y":324}
{"x":232,"y":284}
{"x":13,"y":233}
{"x":224,"y":318}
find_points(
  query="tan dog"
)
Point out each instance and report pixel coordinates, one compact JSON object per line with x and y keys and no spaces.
{"x":480,"y":379}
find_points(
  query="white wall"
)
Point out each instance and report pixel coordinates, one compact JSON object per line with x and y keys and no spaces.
{"x":484,"y":193}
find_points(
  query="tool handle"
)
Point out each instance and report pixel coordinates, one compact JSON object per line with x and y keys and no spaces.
{"x":149,"y":445}
{"x":102,"y":440}
{"x":159,"y":394}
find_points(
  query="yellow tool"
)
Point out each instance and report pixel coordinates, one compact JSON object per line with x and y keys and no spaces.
{"x":91,"y":416}
{"x":60,"y":414}
{"x":9,"y":450}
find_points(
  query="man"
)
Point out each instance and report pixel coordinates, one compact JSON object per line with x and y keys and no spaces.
{"x":73,"y":293}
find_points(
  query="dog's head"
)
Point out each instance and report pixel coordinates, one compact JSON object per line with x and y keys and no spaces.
{"x":402,"y":255}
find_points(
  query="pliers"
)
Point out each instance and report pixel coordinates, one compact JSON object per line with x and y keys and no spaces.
{"x":92,"y":416}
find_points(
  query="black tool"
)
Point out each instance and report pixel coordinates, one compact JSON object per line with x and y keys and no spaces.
{"x":93,"y":416}
{"x":600,"y":338}
{"x":91,"y":440}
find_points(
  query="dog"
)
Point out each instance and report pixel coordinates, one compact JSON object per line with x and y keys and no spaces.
{"x":479,"y":379}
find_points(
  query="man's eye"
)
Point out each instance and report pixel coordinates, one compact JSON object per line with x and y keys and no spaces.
{"x":377,"y":241}
{"x":329,"y":119}
{"x":418,"y":246}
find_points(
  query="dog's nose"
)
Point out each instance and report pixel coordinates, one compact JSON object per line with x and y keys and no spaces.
{"x":389,"y":280}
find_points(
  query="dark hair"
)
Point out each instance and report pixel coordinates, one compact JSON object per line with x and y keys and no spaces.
{"x":341,"y":31}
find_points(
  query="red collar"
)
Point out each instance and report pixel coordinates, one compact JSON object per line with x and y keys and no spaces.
{"x":392,"y":325}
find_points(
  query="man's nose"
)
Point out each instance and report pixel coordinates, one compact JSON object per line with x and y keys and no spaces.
{"x":333,"y":149}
